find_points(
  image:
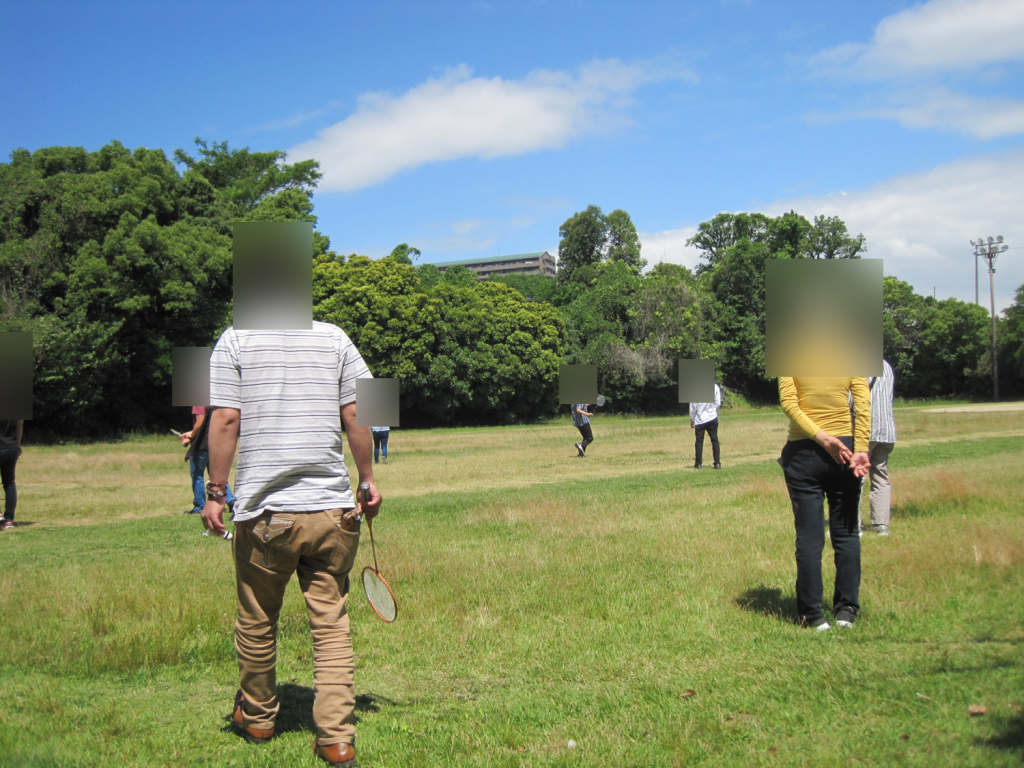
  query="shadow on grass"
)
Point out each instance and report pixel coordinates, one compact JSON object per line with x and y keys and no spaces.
{"x":768,"y":601}
{"x":1010,"y":737}
{"x":296,"y":713}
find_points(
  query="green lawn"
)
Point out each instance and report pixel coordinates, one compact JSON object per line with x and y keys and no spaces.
{"x":639,"y":608}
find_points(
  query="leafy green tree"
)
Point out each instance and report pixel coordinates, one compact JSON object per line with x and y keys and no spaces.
{"x":713,"y":238}
{"x":623,"y":240}
{"x":532,"y":287}
{"x":112,"y":259}
{"x":403,"y":254}
{"x":830,"y":239}
{"x":1011,"y":348}
{"x":953,"y":350}
{"x":901,"y":325}
{"x":584,"y":236}
{"x":464,"y":354}
{"x":460,"y":275}
{"x":428,"y":275}
{"x":737,"y":319}
{"x":788,"y":235}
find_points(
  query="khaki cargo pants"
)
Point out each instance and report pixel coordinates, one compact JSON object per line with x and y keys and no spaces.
{"x":321,"y":548}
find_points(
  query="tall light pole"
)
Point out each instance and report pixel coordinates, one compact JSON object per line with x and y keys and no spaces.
{"x":988,"y":250}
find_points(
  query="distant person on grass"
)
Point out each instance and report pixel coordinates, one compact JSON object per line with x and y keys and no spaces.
{"x":380,"y":443}
{"x":10,"y":449}
{"x":883,"y":440}
{"x":296,"y":511}
{"x":824,"y":458}
{"x":704,"y":418}
{"x":581,"y":420}
{"x":198,"y":457}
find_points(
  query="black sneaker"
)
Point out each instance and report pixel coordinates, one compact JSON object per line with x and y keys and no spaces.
{"x":718,"y":465}
{"x":818,"y":625}
{"x":696,"y":466}
{"x":579,"y":451}
{"x":845,"y":618}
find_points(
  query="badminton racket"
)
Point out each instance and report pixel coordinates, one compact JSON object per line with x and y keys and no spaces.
{"x":600,"y":400}
{"x":378,"y":592}
{"x":176,"y":433}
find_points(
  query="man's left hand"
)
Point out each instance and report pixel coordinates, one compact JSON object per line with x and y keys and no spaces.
{"x":213,"y":517}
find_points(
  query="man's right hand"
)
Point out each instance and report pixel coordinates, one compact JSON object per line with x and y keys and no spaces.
{"x":371,"y":509}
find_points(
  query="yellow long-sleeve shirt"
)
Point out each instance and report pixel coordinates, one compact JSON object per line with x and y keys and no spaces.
{"x":823,"y":403}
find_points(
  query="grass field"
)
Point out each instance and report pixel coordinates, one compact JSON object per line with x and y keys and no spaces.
{"x":626,"y":602}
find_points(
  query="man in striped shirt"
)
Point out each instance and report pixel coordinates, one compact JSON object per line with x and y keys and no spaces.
{"x":282,"y":397}
{"x":883,"y":439}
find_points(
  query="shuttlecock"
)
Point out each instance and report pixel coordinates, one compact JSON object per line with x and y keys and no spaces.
{"x":571,"y":744}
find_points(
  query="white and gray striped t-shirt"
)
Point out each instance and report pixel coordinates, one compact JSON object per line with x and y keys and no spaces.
{"x":883,"y":424}
{"x":289,"y":386}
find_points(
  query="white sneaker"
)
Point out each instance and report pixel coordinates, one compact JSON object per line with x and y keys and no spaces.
{"x":823,"y":627}
{"x":882,"y":530}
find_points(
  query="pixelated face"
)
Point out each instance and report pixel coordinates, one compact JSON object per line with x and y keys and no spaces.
{"x":577,"y":384}
{"x":823,"y":317}
{"x":377,"y":403}
{"x":273,"y":275}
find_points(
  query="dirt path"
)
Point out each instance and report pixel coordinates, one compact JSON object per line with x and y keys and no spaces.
{"x":979,"y":408}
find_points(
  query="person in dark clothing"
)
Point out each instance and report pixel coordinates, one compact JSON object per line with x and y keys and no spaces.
{"x":198,"y":458}
{"x":824,"y":459}
{"x":10,"y":451}
{"x":581,"y":420}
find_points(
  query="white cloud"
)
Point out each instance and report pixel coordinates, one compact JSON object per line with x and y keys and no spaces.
{"x":982,"y":118}
{"x":916,"y":49}
{"x":669,"y":246}
{"x":941,"y":35}
{"x":922,"y":224}
{"x":293,"y":121}
{"x":458,"y":115}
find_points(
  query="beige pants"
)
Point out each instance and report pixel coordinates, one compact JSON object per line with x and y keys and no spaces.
{"x":321,"y":549}
{"x":881,"y":494}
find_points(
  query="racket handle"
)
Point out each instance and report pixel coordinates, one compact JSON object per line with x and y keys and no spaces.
{"x":363,"y":496}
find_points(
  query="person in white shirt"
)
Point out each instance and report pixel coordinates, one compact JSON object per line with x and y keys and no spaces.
{"x":282,"y":397}
{"x":704,"y":418}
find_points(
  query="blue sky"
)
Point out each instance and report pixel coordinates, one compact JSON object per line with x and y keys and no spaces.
{"x":477,"y":128}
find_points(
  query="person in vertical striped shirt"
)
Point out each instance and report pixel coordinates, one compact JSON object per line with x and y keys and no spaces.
{"x":883,"y":440}
{"x":282,"y":397}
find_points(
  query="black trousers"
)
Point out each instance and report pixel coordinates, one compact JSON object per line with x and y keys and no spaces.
{"x":588,"y":435}
{"x":711,"y":428}
{"x":8,"y":461}
{"x":812,"y":476}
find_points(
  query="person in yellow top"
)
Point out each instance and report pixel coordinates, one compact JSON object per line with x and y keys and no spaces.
{"x":826,"y":457}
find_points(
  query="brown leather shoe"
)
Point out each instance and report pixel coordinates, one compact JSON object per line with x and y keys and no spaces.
{"x":252,"y":735}
{"x":338,"y":755}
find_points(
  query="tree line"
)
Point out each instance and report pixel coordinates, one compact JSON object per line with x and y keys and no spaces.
{"x":112,"y":258}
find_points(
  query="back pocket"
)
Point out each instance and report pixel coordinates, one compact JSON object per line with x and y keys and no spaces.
{"x":269,"y":535}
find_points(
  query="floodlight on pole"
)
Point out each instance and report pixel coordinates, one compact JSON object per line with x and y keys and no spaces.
{"x":988,"y":250}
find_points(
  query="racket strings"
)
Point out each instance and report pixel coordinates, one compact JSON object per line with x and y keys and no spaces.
{"x":379,"y":595}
